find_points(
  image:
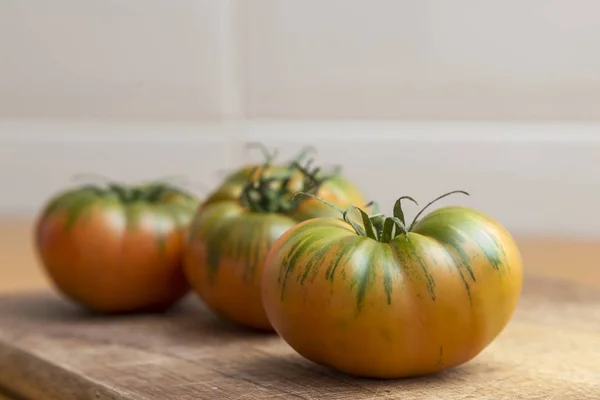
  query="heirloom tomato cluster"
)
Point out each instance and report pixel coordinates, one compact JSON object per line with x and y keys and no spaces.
{"x":289,"y":248}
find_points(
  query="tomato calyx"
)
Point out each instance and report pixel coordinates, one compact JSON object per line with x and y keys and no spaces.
{"x":271,"y":156}
{"x":153,"y":192}
{"x":377,"y":226}
{"x":295,"y":164}
{"x":270,"y":192}
{"x":314,"y":178}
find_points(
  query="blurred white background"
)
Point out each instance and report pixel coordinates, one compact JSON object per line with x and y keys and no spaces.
{"x":501,"y":99}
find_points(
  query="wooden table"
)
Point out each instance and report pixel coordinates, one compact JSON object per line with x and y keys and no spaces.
{"x":570,"y":260}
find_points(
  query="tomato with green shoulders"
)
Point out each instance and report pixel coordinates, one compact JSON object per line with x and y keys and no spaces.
{"x":116,"y":248}
{"x":384,"y":299}
{"x":332,"y":186}
{"x":230,"y":239}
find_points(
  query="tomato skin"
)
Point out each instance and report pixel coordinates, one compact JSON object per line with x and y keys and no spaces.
{"x":223,"y":259}
{"x":115,"y":256}
{"x":417,"y":305}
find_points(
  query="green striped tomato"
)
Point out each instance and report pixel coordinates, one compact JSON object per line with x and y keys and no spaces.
{"x":230,"y":239}
{"x":380,"y":299}
{"x":334,"y":187}
{"x":223,"y":258}
{"x":118,"y":248}
{"x":233,"y":184}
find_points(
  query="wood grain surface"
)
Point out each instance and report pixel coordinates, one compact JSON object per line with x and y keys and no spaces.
{"x":51,"y":349}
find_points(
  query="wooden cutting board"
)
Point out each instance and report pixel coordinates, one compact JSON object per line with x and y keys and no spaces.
{"x":50,"y":349}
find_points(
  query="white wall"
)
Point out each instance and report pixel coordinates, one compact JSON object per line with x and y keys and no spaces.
{"x":134,"y":58}
{"x":422,"y":59}
{"x":86,"y":85}
{"x":538,"y":179}
{"x":535,"y":59}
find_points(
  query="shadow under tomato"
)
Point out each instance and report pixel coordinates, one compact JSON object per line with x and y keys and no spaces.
{"x":52,"y":306}
{"x":299,"y":376}
{"x":195,"y":322}
{"x":40,"y":307}
{"x":187,"y":324}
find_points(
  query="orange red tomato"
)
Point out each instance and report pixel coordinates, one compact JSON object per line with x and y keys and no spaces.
{"x":116,"y":249}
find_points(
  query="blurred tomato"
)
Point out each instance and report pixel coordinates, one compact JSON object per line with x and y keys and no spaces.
{"x":231,"y":237}
{"x":116,"y":249}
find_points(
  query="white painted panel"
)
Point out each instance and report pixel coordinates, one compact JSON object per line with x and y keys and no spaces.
{"x":111,"y":58}
{"x":513,"y":59}
{"x":535,"y":178}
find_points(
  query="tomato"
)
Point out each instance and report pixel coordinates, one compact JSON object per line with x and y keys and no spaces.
{"x":333,"y":186}
{"x":385,"y":300}
{"x":116,"y":249}
{"x":230,"y":239}
{"x":233,"y":184}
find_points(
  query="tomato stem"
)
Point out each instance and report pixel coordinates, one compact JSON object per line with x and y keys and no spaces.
{"x":272,"y":194}
{"x":398,"y":213}
{"x":374,"y":206}
{"x":378,"y":221}
{"x":401,"y":226}
{"x":310,"y":178}
{"x":304,"y":152}
{"x":430,"y":203}
{"x":388,"y":230}
{"x":378,"y":226}
{"x":369,"y":227}
{"x":267,"y":154}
